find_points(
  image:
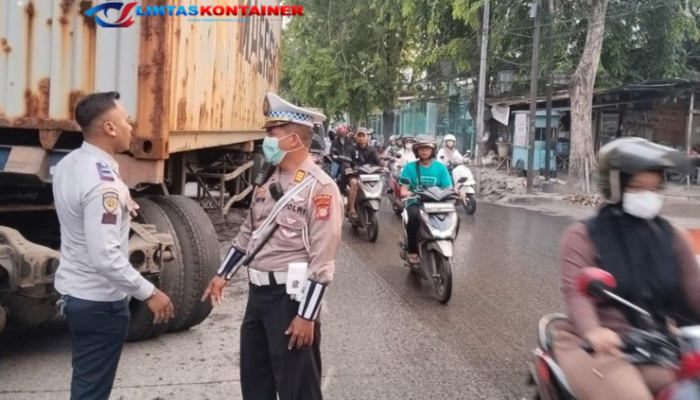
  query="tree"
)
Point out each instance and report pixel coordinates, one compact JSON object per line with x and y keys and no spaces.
{"x":582,"y":156}
{"x":346,"y":55}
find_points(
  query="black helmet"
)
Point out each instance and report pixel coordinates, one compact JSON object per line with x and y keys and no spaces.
{"x":630,"y":156}
{"x":424,"y":141}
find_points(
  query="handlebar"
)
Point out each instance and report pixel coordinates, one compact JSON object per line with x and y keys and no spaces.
{"x":647,"y":348}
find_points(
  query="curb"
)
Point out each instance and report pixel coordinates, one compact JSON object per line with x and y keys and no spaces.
{"x":531,"y":199}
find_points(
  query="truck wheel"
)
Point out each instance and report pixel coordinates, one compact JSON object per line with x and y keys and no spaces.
{"x":171,"y":281}
{"x":200,"y":255}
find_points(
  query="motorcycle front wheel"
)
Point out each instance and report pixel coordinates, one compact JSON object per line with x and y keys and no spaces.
{"x":443,"y":282}
{"x":470,"y":204}
{"x":372,"y":225}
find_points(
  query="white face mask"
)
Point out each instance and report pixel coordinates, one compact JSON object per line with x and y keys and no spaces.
{"x":645,"y":205}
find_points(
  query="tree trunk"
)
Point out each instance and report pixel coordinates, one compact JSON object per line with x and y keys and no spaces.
{"x":581,"y":91}
{"x":387,"y":124}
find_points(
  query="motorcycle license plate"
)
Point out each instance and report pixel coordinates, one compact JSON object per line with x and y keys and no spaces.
{"x":370,"y":178}
{"x":434,"y":208}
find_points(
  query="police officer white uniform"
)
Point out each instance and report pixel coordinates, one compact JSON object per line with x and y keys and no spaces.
{"x":95,"y":277}
{"x":299,"y":232}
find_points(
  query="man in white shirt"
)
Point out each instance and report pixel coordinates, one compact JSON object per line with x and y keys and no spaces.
{"x":95,"y":276}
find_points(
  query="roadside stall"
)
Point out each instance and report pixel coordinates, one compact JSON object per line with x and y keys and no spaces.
{"x":520,"y":142}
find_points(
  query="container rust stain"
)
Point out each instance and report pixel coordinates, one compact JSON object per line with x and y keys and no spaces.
{"x":66,"y":6}
{"x":5,"y":46}
{"x":74,"y":98}
{"x":181,"y":114}
{"x":89,"y":21}
{"x":157,"y":27}
{"x":37,"y":104}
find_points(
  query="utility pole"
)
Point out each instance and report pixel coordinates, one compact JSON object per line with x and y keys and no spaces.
{"x":481,"y":102}
{"x":534,"y":13}
{"x":550,"y":83}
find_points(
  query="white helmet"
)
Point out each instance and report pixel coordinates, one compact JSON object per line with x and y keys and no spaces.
{"x":450,"y":137}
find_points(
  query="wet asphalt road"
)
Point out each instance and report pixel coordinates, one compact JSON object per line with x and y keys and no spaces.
{"x":384,"y":335}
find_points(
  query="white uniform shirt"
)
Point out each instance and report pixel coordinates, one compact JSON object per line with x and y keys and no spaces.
{"x":92,"y":203}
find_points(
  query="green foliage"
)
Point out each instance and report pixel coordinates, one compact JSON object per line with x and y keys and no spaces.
{"x":360,"y":55}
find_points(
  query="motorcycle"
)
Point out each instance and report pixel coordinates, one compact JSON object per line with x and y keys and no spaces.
{"x":436,"y":235}
{"x":678,"y":350}
{"x":395,"y":187}
{"x":463,"y":180}
{"x":369,"y":197}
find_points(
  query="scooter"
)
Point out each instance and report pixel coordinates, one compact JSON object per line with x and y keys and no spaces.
{"x":438,"y":230}
{"x":369,"y":197}
{"x":678,"y":350}
{"x":463,"y":180}
{"x":395,"y":188}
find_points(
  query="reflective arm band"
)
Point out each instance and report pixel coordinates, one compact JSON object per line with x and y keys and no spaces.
{"x":311,"y":303}
{"x":232,"y":263}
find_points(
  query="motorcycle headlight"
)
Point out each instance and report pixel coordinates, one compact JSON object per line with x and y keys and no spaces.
{"x":442,"y":225}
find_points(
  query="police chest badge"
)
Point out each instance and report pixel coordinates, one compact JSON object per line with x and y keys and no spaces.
{"x":323,"y":206}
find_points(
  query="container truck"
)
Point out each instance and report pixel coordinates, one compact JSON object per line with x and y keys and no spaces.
{"x":194,"y":89}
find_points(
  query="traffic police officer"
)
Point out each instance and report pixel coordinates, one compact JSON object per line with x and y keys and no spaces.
{"x":94,"y":276}
{"x":291,"y":234}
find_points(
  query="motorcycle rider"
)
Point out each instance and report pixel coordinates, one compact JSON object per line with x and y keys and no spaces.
{"x":363,"y":155}
{"x":425,"y":172}
{"x":392,"y":149}
{"x":448,"y":154}
{"x":342,"y":146}
{"x":652,"y":262}
{"x":399,"y":144}
{"x":407,"y":154}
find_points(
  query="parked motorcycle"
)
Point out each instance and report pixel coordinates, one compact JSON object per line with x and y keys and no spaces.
{"x":463,"y":180}
{"x":438,"y":231}
{"x":369,"y":197}
{"x":679,"y":350}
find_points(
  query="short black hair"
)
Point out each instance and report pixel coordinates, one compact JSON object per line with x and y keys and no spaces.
{"x":94,"y":105}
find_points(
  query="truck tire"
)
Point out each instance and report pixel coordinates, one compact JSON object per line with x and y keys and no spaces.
{"x":171,"y":282}
{"x":200,"y":255}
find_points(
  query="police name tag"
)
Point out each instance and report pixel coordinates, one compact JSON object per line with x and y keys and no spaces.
{"x":296,"y":280}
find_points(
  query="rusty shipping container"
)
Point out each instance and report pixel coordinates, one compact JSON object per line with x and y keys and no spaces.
{"x":188,"y":84}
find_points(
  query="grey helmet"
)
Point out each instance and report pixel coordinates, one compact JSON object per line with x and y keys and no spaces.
{"x":423,"y":141}
{"x":630,"y":156}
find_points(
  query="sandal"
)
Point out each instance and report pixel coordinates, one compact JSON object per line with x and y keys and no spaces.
{"x":413,"y":259}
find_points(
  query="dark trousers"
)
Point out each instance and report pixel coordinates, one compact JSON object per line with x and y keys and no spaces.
{"x":268,"y":367}
{"x":98,"y":331}
{"x":412,"y":227}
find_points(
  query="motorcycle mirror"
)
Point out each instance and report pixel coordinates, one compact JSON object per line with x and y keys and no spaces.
{"x":593,"y":282}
